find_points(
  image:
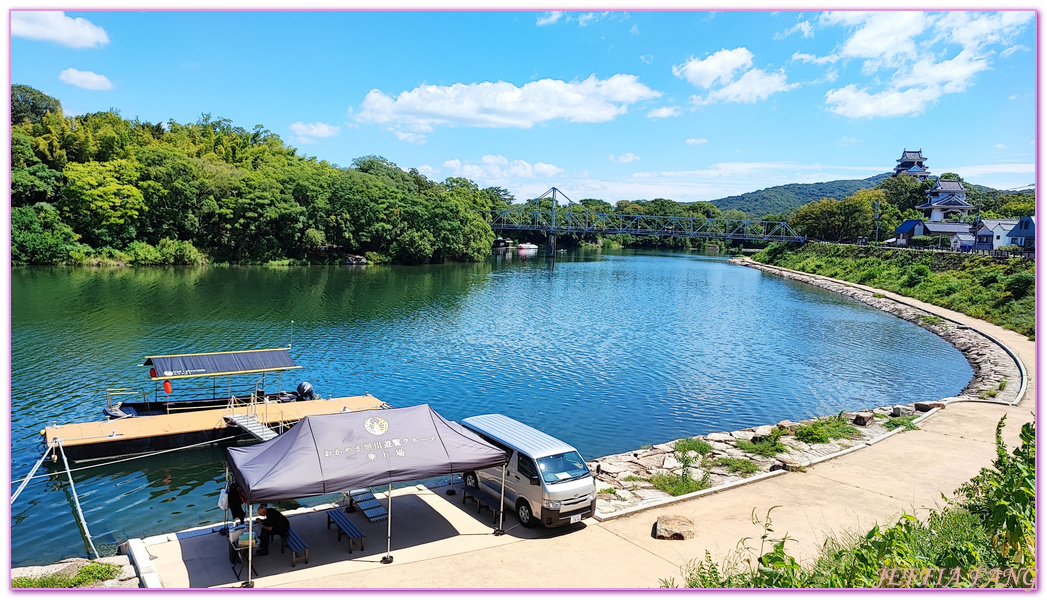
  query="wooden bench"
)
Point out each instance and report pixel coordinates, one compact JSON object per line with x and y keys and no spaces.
{"x":345,"y":527}
{"x":299,"y":549}
{"x":483,"y":500}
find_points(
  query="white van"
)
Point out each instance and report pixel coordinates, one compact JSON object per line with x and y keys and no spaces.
{"x":547,"y":481}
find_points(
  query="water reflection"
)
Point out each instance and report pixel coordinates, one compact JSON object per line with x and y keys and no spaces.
{"x":608,"y":350}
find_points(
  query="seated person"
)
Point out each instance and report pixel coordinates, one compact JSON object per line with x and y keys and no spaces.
{"x":274,"y":523}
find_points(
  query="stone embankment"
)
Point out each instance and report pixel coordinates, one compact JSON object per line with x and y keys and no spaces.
{"x":127,"y":578}
{"x":624,"y":480}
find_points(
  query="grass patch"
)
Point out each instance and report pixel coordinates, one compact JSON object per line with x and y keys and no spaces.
{"x":678,"y":485}
{"x":990,"y":394}
{"x":741,"y":466}
{"x":633,"y":478}
{"x":825,"y":430}
{"x":879,"y":295}
{"x":896,"y":422}
{"x":699,"y":447}
{"x":609,"y":490}
{"x":1003,"y":385}
{"x":932,"y":319}
{"x":88,"y":574}
{"x":768,"y":446}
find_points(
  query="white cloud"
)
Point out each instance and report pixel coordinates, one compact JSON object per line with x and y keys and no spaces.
{"x":1009,"y":51}
{"x":754,"y":85}
{"x":693,"y":141}
{"x":426,"y":170}
{"x":501,"y":104}
{"x":54,"y":26}
{"x":635,"y":29}
{"x":495,"y":169}
{"x":973,"y":30}
{"x":1000,"y":147}
{"x":857,"y":103}
{"x":585,"y":19}
{"x":810,"y":58}
{"x":718,"y":68}
{"x":980,"y":170}
{"x":716,"y":181}
{"x":647,"y":59}
{"x":916,"y":46}
{"x":884,"y":39}
{"x":804,"y":28}
{"x":314,"y":130}
{"x":549,"y":18}
{"x":87,"y":80}
{"x":846,"y":141}
{"x":628,"y":157}
{"x":663,"y":112}
{"x":953,"y":75}
{"x":1012,"y":97}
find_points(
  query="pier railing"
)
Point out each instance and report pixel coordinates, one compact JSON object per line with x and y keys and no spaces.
{"x":572,"y":220}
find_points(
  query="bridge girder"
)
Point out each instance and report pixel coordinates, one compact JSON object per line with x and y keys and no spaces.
{"x":571,"y":221}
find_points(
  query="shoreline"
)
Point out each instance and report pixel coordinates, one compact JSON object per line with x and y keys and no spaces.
{"x":623,"y":484}
{"x":981,"y":351}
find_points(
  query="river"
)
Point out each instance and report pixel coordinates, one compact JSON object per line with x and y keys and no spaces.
{"x":606,"y":350}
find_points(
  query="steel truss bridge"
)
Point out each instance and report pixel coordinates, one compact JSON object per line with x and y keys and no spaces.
{"x":574,"y":218}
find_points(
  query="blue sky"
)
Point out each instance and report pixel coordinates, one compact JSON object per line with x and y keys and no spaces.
{"x":687,"y":105}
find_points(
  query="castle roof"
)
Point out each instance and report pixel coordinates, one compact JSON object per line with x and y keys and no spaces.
{"x":946,"y":201}
{"x":943,"y":228}
{"x":948,"y":185}
{"x":915,"y":169}
{"x":908,"y":155}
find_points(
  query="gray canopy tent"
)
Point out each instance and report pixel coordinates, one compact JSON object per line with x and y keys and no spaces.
{"x":327,"y":454}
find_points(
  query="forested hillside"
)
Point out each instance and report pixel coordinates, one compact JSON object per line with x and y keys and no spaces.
{"x":97,"y":186}
{"x":784,"y":198}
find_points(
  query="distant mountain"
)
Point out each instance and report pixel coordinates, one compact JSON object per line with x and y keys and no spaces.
{"x":794,"y":195}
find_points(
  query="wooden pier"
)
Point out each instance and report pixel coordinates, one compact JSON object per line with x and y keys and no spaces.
{"x":118,"y":437}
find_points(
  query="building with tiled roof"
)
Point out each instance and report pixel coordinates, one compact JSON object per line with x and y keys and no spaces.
{"x":1024,"y":233}
{"x":946,"y":199}
{"x":911,"y":163}
{"x":990,"y":234}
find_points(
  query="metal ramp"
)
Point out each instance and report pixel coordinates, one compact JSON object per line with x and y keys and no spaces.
{"x":251,"y":425}
{"x":369,"y":505}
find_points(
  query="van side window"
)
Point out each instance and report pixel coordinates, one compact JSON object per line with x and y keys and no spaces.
{"x":526,"y":466}
{"x":508,"y":451}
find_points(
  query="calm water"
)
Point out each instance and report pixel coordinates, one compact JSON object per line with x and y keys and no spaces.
{"x":607,"y":351}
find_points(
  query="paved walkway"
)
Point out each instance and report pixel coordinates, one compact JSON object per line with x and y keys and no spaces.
{"x":438,"y":543}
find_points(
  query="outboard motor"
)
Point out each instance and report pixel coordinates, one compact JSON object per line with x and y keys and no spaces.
{"x":305,"y":390}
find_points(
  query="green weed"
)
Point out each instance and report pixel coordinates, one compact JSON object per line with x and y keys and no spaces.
{"x":825,"y":430}
{"x":741,"y":466}
{"x":905,"y":422}
{"x":90,"y":573}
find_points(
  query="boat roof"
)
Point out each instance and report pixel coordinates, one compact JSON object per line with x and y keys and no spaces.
{"x":213,"y":364}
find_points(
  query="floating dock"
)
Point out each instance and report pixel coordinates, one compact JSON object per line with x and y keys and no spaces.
{"x":119,"y":437}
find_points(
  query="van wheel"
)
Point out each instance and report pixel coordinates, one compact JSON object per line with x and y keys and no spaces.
{"x":470,"y":479}
{"x":523,"y":512}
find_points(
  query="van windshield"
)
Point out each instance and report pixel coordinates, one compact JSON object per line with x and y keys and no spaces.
{"x":561,"y":467}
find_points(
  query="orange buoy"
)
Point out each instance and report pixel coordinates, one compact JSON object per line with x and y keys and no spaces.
{"x":167,"y":386}
{"x":152,"y":373}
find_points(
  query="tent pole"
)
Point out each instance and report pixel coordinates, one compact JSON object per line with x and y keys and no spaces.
{"x":225,"y":514}
{"x":501,"y":504}
{"x":388,"y":558}
{"x":250,"y":540}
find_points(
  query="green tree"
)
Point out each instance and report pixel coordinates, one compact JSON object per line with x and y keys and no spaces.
{"x":905,"y":191}
{"x":30,"y":104}
{"x":101,"y":201}
{"x":38,"y":235}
